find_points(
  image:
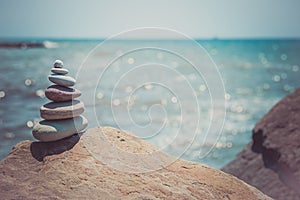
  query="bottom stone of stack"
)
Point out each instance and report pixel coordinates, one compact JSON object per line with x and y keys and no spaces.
{"x":52,"y":130}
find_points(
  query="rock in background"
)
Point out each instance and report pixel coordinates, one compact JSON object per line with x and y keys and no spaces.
{"x":271,"y":162}
{"x":66,"y":170}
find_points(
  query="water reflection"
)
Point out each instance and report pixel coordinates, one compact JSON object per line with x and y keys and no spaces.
{"x":256,"y":74}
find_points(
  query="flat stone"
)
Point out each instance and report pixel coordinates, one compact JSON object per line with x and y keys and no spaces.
{"x":62,"y":110}
{"x":47,"y":131}
{"x":59,"y":71}
{"x":62,"y":80}
{"x":58,"y":64}
{"x":60,"y":93}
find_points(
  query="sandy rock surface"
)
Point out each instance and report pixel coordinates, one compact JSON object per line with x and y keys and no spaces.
{"x":67,"y":170}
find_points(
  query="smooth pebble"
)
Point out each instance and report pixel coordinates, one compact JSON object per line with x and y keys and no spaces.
{"x":62,"y":110}
{"x":62,"y":80}
{"x":59,"y":71}
{"x":59,"y":93}
{"x":47,"y":131}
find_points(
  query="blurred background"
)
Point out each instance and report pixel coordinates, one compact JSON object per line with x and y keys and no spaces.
{"x":254,"y":44}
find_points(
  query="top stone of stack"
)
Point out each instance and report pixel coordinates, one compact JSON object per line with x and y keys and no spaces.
{"x":58,"y":64}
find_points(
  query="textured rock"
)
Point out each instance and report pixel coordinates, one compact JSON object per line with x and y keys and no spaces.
{"x":271,"y":162}
{"x":59,"y":93}
{"x":59,"y":71}
{"x":62,"y":80}
{"x":66,"y":170}
{"x":58,"y":129}
{"x":62,"y":110}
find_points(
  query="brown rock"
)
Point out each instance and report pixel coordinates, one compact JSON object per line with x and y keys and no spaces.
{"x":66,"y":170}
{"x":59,"y":93}
{"x":271,"y":162}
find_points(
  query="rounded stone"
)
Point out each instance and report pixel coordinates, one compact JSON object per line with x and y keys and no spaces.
{"x":59,"y":71}
{"x":62,"y":110}
{"x":58,"y":64}
{"x":59,"y":93}
{"x":62,"y":80}
{"x":47,"y":131}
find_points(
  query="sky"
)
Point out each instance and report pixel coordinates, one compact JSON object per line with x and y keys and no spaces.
{"x":195,"y":18}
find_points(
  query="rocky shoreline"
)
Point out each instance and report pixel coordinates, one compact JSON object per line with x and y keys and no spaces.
{"x":22,"y":45}
{"x":271,"y":161}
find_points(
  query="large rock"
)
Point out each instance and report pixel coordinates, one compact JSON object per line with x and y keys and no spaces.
{"x":67,"y":170}
{"x":271,"y":162}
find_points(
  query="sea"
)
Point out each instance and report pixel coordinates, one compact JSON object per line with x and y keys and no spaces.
{"x":197,"y":100}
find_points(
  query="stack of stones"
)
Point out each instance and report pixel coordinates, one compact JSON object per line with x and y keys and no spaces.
{"x":62,"y":117}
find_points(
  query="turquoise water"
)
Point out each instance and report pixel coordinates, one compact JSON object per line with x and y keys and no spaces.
{"x":256,"y":75}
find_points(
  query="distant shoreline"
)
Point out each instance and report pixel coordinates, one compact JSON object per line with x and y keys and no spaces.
{"x":4,"y":40}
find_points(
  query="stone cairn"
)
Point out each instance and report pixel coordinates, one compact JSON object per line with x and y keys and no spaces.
{"x":62,"y":117}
